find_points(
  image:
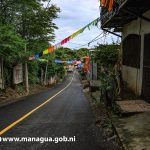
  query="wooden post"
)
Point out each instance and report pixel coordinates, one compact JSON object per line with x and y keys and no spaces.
{"x":42,"y":74}
{"x":26,"y":75}
{"x":2,"y":73}
{"x":45,"y":78}
{"x":92,"y":70}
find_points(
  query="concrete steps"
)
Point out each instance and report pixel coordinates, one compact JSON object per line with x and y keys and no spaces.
{"x":133,"y":106}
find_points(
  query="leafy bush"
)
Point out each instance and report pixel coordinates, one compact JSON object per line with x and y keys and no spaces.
{"x":34,"y":76}
{"x":107,"y":55}
{"x":12,"y":45}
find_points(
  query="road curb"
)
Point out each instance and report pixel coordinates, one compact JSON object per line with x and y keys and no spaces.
{"x":116,"y":132}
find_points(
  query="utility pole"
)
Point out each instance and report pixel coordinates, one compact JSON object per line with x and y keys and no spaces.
{"x":26,"y":74}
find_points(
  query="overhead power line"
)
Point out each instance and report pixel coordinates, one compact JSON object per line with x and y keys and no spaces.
{"x":93,"y":40}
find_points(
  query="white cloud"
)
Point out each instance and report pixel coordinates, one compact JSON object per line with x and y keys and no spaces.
{"x":74,"y":15}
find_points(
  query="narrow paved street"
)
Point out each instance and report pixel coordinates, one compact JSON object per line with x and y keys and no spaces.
{"x":67,"y":114}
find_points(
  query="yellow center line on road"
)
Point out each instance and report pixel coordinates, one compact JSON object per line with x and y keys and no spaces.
{"x":32,"y":111}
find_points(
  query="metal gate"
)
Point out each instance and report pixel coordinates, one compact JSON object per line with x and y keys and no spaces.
{"x":146,"y":68}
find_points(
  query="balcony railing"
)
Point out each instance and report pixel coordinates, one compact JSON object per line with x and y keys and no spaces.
{"x":106,"y":15}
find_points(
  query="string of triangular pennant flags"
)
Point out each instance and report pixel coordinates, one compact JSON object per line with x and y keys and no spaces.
{"x":62,"y":61}
{"x":64,"y":41}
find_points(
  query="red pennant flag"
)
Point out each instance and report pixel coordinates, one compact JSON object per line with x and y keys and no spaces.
{"x":65,"y":40}
{"x":50,"y":49}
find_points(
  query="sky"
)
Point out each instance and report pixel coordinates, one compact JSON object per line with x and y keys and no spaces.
{"x":74,"y":15}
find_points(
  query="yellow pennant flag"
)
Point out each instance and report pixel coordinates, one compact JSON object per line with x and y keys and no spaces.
{"x":45,"y":52}
{"x":76,"y":33}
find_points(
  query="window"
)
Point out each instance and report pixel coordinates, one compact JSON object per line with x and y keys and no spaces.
{"x":131,"y":50}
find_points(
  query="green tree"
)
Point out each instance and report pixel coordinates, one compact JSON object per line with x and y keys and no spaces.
{"x":25,"y":22}
{"x":65,"y":54}
{"x":82,"y":52}
{"x":32,"y":20}
{"x":107,"y":55}
{"x":12,"y":45}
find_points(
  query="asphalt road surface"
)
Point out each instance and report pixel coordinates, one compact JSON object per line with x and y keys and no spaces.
{"x":66,"y":113}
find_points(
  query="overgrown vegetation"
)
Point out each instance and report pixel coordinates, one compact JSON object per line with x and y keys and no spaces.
{"x":82,"y":52}
{"x":107,"y":56}
{"x":27,"y":28}
{"x":12,"y":44}
{"x":25,"y":23}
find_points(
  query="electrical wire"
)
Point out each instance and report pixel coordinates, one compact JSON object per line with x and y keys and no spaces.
{"x":81,"y":46}
{"x":95,"y":38}
{"x":89,"y":42}
{"x":75,"y":43}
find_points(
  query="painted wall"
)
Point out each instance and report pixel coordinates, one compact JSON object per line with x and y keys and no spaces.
{"x":133,"y":76}
{"x":18,"y":74}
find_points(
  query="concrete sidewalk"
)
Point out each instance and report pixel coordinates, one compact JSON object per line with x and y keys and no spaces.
{"x":133,"y":127}
{"x":134,"y":131}
{"x":133,"y":106}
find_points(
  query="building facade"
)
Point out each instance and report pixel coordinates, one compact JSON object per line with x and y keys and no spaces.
{"x":132,"y":19}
